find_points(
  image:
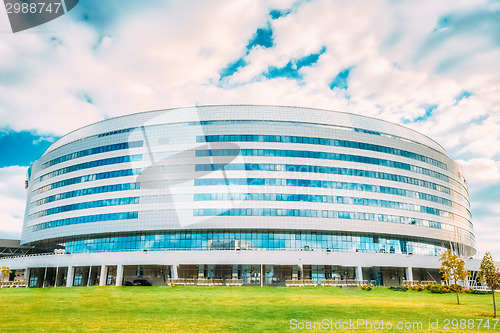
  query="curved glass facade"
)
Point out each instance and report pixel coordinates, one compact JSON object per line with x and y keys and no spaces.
{"x":247,"y":178}
{"x":256,"y":240}
{"x":321,"y":155}
{"x":319,"y":141}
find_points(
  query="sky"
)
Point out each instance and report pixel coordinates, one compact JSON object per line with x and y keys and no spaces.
{"x":433,"y":66}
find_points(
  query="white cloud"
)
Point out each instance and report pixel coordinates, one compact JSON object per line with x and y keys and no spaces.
{"x":487,"y":232}
{"x":12,"y":201}
{"x":483,"y":177}
{"x":171,"y":56}
{"x":480,"y":170}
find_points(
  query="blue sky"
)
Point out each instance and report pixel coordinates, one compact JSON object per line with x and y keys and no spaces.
{"x":431,"y":66}
{"x":19,"y":148}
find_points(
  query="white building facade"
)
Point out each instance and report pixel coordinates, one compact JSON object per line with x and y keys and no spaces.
{"x":241,"y":192}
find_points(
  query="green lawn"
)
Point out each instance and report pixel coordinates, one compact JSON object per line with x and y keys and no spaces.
{"x":229,"y":309}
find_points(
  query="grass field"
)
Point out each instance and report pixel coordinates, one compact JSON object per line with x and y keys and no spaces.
{"x":232,"y":309}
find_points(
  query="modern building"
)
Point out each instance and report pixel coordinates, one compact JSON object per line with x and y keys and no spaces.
{"x":240,"y":192}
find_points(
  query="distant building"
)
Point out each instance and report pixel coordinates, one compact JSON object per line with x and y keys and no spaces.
{"x":241,"y":192}
{"x":12,"y":247}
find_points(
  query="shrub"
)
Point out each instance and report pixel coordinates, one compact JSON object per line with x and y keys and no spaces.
{"x":480,"y":292}
{"x":456,"y":287}
{"x":399,"y":288}
{"x":428,"y":286}
{"x":439,"y":289}
{"x":366,"y":287}
{"x":417,"y":288}
{"x":466,"y":290}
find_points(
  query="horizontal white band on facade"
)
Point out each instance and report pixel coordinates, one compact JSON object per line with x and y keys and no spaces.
{"x":223,"y":257}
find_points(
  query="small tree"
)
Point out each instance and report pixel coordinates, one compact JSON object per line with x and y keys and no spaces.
{"x":4,"y":270}
{"x":490,"y":275}
{"x":453,"y":269}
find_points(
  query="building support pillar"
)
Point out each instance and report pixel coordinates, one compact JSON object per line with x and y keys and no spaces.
{"x":57,"y":275}
{"x":103,"y":275}
{"x":90,"y":275}
{"x":70,"y":276}
{"x":44,"y":277}
{"x":409,"y":273}
{"x":119,"y":275}
{"x":201,"y":271}
{"x":359,"y":273}
{"x":174,"y":272}
{"x":301,"y":271}
{"x":235,"y":272}
{"x":295,"y":275}
{"x":27,"y":276}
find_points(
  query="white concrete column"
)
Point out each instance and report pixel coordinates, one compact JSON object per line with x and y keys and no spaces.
{"x":27,"y":276}
{"x":44,"y":277}
{"x":103,"y":276}
{"x":119,"y":275}
{"x":359,"y":273}
{"x":301,"y":270}
{"x":56,"y":282}
{"x":70,"y":276}
{"x":235,"y":272}
{"x":409,"y":273}
{"x":173,"y":272}
{"x":90,"y":274}
{"x":201,"y":271}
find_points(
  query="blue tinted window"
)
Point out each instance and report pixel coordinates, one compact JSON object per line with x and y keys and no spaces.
{"x":318,"y":213}
{"x":87,"y":178}
{"x":126,"y":130}
{"x":85,"y":219}
{"x":92,"y":164}
{"x":328,"y":170}
{"x":255,"y":240}
{"x":322,"y":198}
{"x":87,"y":205}
{"x":349,"y":172}
{"x":304,"y":183}
{"x":322,"y":155}
{"x":88,"y":191}
{"x":92,"y":151}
